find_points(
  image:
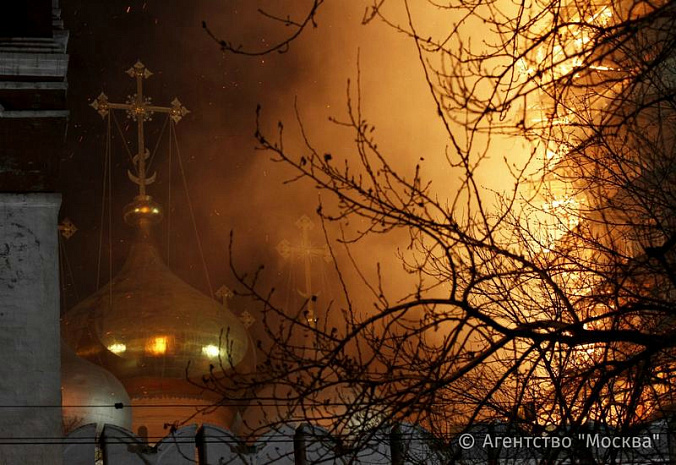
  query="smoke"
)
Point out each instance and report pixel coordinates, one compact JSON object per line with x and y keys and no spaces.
{"x":232,"y":186}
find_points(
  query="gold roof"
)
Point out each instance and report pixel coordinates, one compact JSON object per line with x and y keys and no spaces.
{"x":150,"y":328}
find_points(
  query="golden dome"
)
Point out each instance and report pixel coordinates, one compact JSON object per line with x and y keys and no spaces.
{"x":151,"y":329}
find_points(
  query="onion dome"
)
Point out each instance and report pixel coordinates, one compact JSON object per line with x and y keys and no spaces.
{"x":90,"y":394}
{"x":156,"y":333}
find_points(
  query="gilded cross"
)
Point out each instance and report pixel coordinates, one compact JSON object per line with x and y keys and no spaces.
{"x":140,"y":109}
{"x":67,"y":228}
{"x":305,"y":251}
{"x":224,"y":293}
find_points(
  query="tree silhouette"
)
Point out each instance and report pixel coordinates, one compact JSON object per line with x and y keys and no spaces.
{"x":548,"y":305}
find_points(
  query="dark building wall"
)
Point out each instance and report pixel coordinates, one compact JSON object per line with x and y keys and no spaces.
{"x":28,"y":163}
{"x":26,"y":18}
{"x":33,"y":64}
{"x":33,"y":116}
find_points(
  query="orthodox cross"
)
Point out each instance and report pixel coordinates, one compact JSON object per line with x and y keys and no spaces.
{"x":67,"y":228}
{"x":305,"y":251}
{"x":139,"y":109}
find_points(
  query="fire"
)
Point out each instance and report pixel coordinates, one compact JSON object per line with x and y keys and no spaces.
{"x":564,"y":72}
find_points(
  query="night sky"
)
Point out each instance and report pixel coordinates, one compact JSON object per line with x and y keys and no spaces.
{"x":232,"y":186}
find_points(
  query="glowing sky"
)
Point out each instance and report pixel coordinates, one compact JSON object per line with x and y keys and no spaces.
{"x":232,"y":186}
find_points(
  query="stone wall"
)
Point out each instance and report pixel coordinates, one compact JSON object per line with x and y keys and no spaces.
{"x":30,"y":379}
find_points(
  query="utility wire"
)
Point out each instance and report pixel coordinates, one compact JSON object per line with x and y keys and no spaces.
{"x":269,"y":403}
{"x":190,"y":209}
{"x":169,"y":438}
